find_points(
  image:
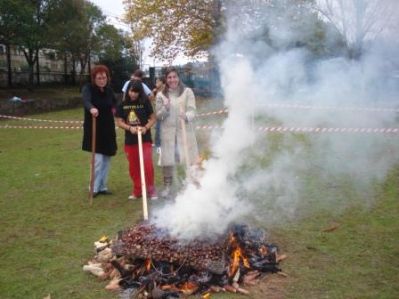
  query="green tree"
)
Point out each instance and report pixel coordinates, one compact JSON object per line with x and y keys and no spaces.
{"x":73,"y":28}
{"x":64,"y":30}
{"x":116,"y":50}
{"x":191,"y":26}
{"x":110,"y":42}
{"x":22,"y":24}
{"x":32,"y":33}
{"x":93,"y":21}
{"x":10,"y":11}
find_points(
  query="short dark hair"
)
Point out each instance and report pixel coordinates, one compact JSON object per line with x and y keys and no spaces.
{"x":138,"y":73}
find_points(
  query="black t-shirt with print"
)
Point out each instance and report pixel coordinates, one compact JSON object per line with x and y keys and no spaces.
{"x":135,"y":114}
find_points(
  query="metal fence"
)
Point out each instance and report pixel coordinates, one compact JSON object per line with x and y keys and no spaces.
{"x":204,"y":80}
{"x":22,"y":78}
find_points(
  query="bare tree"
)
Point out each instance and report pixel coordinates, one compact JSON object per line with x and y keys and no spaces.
{"x":357,"y":20}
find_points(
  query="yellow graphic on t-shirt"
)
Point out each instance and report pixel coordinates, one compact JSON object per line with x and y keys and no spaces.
{"x":132,"y":118}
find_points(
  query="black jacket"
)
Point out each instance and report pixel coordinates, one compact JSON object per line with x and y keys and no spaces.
{"x":105,"y":125}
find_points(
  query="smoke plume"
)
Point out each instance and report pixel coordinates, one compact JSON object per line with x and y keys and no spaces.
{"x":269,"y":178}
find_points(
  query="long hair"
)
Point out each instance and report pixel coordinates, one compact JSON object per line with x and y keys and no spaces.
{"x":180,"y":87}
{"x":163,"y":80}
{"x":136,"y":86}
{"x":100,"y":68}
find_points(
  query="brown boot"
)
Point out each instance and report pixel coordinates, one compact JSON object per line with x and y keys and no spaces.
{"x":167,"y":182}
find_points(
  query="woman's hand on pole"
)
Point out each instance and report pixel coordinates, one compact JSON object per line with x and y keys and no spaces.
{"x":166,"y":103}
{"x":94,"y":112}
{"x":133,"y":129}
{"x":143,"y":130}
{"x":183,"y":115}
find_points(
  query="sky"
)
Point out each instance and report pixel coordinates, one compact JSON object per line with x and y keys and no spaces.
{"x":111,"y":8}
{"x":114,"y":11}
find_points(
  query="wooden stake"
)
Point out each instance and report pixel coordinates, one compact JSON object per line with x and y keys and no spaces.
{"x":184,"y":139}
{"x":142,"y":175}
{"x":93,"y":158}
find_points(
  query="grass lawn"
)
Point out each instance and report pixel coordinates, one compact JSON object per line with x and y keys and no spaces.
{"x":48,"y":228}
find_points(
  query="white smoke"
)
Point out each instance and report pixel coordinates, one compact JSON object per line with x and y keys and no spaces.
{"x":208,"y":211}
{"x":278,"y":177}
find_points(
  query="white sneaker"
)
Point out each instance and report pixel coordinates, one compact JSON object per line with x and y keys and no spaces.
{"x":159,"y":156}
{"x":132,"y":197}
{"x":153,"y":196}
{"x":166,"y":192}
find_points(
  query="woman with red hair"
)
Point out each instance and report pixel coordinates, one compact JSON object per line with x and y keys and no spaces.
{"x":99,"y":101}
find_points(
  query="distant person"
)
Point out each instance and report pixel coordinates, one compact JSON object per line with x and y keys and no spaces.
{"x":99,"y":101}
{"x":159,"y":85}
{"x":138,"y":76}
{"x":174,"y":103}
{"x":136,"y":114}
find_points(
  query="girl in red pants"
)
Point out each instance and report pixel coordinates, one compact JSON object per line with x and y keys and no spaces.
{"x":135,"y":114}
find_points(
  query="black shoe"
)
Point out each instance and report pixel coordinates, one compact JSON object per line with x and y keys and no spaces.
{"x":105,"y":192}
{"x":95,"y":194}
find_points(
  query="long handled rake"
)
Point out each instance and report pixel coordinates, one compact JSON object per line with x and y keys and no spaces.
{"x":93,"y":158}
{"x":142,"y":175}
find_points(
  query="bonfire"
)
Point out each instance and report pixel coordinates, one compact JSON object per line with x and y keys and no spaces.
{"x":145,"y":262}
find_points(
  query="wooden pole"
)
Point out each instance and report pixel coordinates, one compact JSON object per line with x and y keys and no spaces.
{"x":93,"y":158}
{"x":184,"y":140}
{"x":191,"y":178}
{"x":142,"y":175}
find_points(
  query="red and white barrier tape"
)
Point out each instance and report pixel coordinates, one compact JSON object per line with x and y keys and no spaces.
{"x":40,"y":127}
{"x":222,"y":111}
{"x":41,"y":120}
{"x":309,"y":107}
{"x":261,"y":129}
{"x":208,"y":128}
{"x":314,"y":130}
{"x":329,"y":130}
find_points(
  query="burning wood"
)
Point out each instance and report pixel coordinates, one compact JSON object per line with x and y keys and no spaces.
{"x":146,"y":261}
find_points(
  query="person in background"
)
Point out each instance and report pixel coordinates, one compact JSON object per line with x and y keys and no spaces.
{"x":99,"y":101}
{"x":136,"y":114}
{"x":174,"y":103}
{"x":138,"y":76}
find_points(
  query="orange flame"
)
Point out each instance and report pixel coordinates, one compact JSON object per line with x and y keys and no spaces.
{"x":147,"y":264}
{"x":207,"y":295}
{"x":188,"y":288}
{"x":263,"y":250}
{"x":237,"y":256}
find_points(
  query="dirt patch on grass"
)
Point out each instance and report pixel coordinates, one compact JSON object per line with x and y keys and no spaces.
{"x":273,"y":286}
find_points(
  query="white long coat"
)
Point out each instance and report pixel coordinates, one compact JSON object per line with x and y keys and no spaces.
{"x":172,"y":145}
